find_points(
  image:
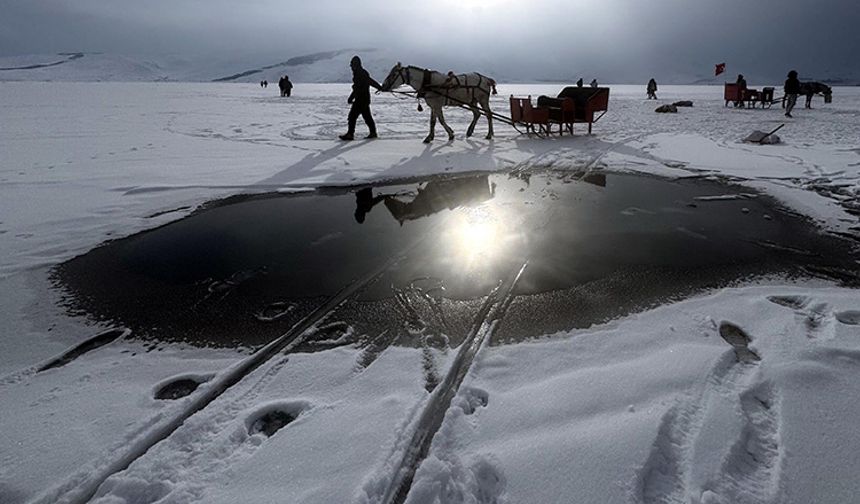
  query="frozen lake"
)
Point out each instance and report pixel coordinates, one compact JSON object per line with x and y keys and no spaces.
{"x":205,"y":295}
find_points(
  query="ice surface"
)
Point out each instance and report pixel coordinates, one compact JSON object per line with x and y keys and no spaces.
{"x":652,"y":407}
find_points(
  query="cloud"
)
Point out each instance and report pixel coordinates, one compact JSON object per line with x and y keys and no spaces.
{"x":553,"y":37}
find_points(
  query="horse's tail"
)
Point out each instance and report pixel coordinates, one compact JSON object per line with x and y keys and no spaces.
{"x":493,"y":86}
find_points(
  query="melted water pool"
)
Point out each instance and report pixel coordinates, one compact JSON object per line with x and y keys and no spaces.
{"x":244,"y":270}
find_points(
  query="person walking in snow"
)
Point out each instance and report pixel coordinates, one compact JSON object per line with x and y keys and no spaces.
{"x":742,"y":87}
{"x":652,"y":89}
{"x":579,"y":82}
{"x":792,"y":89}
{"x":593,"y":83}
{"x":360,"y":100}
{"x":288,"y":86}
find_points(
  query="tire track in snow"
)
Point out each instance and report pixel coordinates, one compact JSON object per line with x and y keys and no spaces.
{"x":411,"y":454}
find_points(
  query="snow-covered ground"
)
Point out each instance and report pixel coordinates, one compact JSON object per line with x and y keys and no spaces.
{"x":651,"y":408}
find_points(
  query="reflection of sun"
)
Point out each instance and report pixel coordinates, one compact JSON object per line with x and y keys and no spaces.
{"x":475,"y":237}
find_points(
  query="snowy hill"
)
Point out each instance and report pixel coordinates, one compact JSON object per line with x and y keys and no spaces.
{"x":333,"y":66}
{"x":330,"y":66}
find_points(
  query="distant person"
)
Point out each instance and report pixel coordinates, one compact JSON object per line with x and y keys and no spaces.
{"x":265,"y":83}
{"x":281,"y":85}
{"x":288,"y":86}
{"x":742,"y":86}
{"x":360,"y":100}
{"x":792,"y":89}
{"x":261,"y":84}
{"x":579,"y":82}
{"x":652,"y":89}
{"x":593,"y":83}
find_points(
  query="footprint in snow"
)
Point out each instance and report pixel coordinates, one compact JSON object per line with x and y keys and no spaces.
{"x":848,"y":317}
{"x":93,"y":343}
{"x":179,"y":387}
{"x":270,"y":418}
{"x":474,"y":398}
{"x":793,"y":302}
{"x":739,"y":340}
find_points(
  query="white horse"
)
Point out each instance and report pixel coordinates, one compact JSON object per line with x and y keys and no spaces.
{"x":441,"y":90}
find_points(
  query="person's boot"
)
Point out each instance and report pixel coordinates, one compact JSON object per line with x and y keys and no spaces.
{"x":347,"y":137}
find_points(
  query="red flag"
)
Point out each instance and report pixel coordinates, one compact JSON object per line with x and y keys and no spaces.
{"x":720,"y":68}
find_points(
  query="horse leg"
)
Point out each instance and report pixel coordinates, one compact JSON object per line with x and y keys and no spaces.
{"x":809,"y":101}
{"x":445,"y":125}
{"x":485,"y":104}
{"x":475,"y":115}
{"x":432,"y":133}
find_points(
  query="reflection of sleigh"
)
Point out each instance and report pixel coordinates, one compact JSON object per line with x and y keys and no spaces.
{"x":438,"y":195}
{"x":573,"y":105}
{"x":733,"y":93}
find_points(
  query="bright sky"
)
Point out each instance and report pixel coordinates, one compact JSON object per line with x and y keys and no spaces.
{"x":618,"y":35}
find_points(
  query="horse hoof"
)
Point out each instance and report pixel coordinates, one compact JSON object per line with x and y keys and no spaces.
{"x":489,"y":137}
{"x":428,"y":140}
{"x":451,"y":138}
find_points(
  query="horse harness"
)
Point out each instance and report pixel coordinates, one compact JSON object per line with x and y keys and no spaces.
{"x":444,"y":89}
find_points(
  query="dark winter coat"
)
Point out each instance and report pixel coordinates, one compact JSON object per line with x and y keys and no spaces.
{"x":361,"y":82}
{"x":792,"y":86}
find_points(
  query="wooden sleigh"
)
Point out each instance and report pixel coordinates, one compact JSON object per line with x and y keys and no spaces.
{"x":572,"y":105}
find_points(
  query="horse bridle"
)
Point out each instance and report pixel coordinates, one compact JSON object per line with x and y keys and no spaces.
{"x":403,"y":73}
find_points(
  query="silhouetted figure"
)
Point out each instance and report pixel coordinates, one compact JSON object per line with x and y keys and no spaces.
{"x":792,"y":89}
{"x":438,"y":195}
{"x":742,"y":87}
{"x":593,"y":83}
{"x":261,"y":84}
{"x":579,"y":82}
{"x":265,"y":83}
{"x":652,"y":89}
{"x":360,"y":100}
{"x":285,"y":85}
{"x":364,"y":203}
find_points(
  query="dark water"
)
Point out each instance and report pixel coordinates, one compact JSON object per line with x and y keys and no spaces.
{"x":245,"y":269}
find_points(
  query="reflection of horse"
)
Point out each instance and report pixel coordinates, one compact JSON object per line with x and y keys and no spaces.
{"x":438,"y":195}
{"x":440,"y":90}
{"x":811,"y":89}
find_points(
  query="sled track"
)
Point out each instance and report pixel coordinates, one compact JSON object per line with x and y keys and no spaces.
{"x":80,"y":490}
{"x":488,"y":318}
